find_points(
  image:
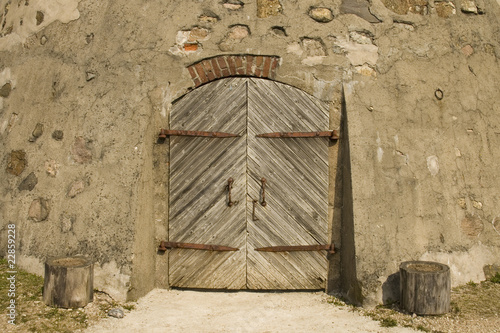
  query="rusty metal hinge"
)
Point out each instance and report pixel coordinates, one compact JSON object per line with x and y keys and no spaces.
{"x":334,"y":135}
{"x":164,"y":133}
{"x":288,"y":248}
{"x":207,"y":247}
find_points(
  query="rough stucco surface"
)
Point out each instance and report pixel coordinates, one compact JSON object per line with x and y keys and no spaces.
{"x":100,"y":77}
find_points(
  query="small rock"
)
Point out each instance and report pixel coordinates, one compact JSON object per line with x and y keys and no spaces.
{"x":89,"y":38}
{"x":321,"y":14}
{"x":89,"y":76}
{"x":116,"y":312}
{"x":39,"y":17}
{"x":17,"y":162}
{"x":467,"y":50}
{"x":52,"y":168}
{"x":80,"y":151}
{"x":28,"y":183}
{"x":57,"y":135}
{"x":75,"y":188}
{"x":39,"y":210}
{"x":5,"y":90}
{"x":468,"y":6}
{"x":43,"y":40}
{"x":208,"y":18}
{"x":37,"y":132}
{"x":279,"y":31}
{"x":477,"y":204}
{"x":67,"y":222}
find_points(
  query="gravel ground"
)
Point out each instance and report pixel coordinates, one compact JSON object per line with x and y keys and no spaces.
{"x":193,"y":311}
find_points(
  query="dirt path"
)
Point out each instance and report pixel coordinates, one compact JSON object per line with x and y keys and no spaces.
{"x":192,"y":311}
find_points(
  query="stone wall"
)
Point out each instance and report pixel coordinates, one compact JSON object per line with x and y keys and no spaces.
{"x":86,"y":85}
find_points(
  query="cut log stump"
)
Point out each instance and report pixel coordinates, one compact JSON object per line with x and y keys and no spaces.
{"x":68,"y":282}
{"x":425,"y":287}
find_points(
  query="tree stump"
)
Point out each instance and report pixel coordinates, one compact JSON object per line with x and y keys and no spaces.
{"x":68,"y":282}
{"x":425,"y":287}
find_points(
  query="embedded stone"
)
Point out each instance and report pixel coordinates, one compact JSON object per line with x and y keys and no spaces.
{"x":238,"y":32}
{"x":359,"y":8}
{"x":321,"y":14}
{"x":80,"y":151}
{"x":467,"y":50}
{"x":279,"y":31}
{"x":266,"y":8}
{"x":313,"y":47}
{"x":468,"y":6}
{"x":67,"y":222}
{"x":233,"y":4}
{"x":472,"y":225}
{"x":39,"y":210}
{"x":17,"y":162}
{"x":57,"y":135}
{"x":445,"y":9}
{"x":5,"y":90}
{"x":28,"y":183}
{"x":76,"y":188}
{"x":43,"y":40}
{"x":198,"y":34}
{"x":403,"y":7}
{"x":52,"y":168}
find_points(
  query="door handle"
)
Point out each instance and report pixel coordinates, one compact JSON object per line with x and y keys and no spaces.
{"x":229,"y":187}
{"x":254,"y":218}
{"x":263,"y":203}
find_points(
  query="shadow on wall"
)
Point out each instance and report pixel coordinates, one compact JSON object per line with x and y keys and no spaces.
{"x":350,"y":286}
{"x":390,"y":289}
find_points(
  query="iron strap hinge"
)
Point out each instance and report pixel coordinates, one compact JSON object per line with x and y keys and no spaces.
{"x":206,"y":247}
{"x":334,"y":135}
{"x":164,"y":133}
{"x":288,"y":248}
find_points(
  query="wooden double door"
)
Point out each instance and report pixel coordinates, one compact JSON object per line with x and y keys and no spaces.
{"x":248,"y":212}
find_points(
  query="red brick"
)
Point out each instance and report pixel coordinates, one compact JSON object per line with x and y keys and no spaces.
{"x":197,"y":82}
{"x":258,"y":72}
{"x":222,"y":62}
{"x":190,"y":47}
{"x":249,"y":70}
{"x":267,"y":67}
{"x":208,"y":70}
{"x":259,"y":60}
{"x":239,"y":61}
{"x":201,"y":72}
{"x":216,"y":68}
{"x":274,"y":67}
{"x":232,"y":65}
{"x":192,"y":72}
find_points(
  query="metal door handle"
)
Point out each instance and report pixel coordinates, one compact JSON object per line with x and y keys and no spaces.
{"x":254,"y":218}
{"x":263,"y":203}
{"x":229,"y":187}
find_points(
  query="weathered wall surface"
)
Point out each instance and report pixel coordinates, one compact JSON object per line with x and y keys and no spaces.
{"x":85,"y":86}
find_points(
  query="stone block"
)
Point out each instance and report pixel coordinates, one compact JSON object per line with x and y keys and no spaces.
{"x":266,"y":8}
{"x":321,"y":14}
{"x":39,"y":210}
{"x":17,"y":162}
{"x":28,"y":183}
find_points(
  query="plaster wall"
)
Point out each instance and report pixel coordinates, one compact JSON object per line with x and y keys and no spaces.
{"x":85,"y":88}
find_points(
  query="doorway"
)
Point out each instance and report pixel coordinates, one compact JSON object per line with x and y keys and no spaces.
{"x":248,"y":187}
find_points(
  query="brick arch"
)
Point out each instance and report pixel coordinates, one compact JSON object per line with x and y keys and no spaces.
{"x":222,"y":66}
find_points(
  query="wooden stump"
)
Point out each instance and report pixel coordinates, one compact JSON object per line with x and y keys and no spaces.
{"x":68,"y":282}
{"x":425,"y":287}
